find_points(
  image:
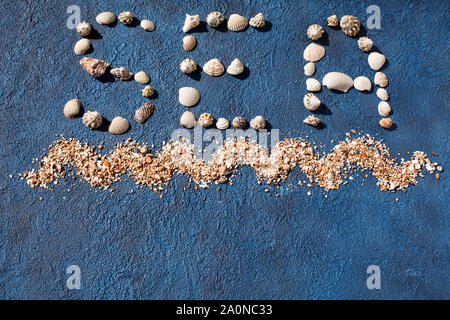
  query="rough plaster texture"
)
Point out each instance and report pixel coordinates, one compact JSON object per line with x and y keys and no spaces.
{"x":239,"y":242}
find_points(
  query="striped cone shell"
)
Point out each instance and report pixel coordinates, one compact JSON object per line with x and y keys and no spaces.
{"x":144,"y":112}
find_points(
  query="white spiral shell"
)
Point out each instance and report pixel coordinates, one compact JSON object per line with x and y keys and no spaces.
{"x":92,"y":119}
{"x":190,"y":22}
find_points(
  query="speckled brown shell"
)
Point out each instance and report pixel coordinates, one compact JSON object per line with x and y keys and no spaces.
{"x":206,"y":120}
{"x":144,"y":112}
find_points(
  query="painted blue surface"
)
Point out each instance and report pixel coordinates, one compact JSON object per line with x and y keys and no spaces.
{"x":239,"y":242}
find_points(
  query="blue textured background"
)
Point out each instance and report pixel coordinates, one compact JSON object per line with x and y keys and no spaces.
{"x":239,"y":242}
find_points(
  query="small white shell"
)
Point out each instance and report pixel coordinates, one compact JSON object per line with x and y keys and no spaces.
{"x":313,"y":52}
{"x":105,"y":18}
{"x":384,"y":109}
{"x":126,"y":17}
{"x":311,"y":101}
{"x":147,"y":25}
{"x":191,"y":22}
{"x":84,"y":29}
{"x":258,"y":123}
{"x":381,"y":80}
{"x":333,"y":21}
{"x":72,"y":108}
{"x":313,"y":85}
{"x":237,"y":22}
{"x":92,"y":119}
{"x":222,"y":124}
{"x":258,"y":21}
{"x":314,"y":32}
{"x":350,"y":25}
{"x":188,"y":96}
{"x":362,"y":83}
{"x":382,"y":94}
{"x":337,"y":81}
{"x":312,"y":121}
{"x":309,"y":69}
{"x":82,"y":46}
{"x":187,"y":120}
{"x":214,"y":19}
{"x":214,"y":68}
{"x":365,"y":44}
{"x":148,"y":91}
{"x":206,"y":120}
{"x":235,"y":68}
{"x":188,"y":66}
{"x":118,"y":125}
{"x":141,"y":77}
{"x":376,"y":60}
{"x":189,"y":43}
{"x":121,"y":73}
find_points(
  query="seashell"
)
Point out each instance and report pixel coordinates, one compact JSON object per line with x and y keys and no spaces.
{"x":350,"y":25}
{"x":95,"y":67}
{"x":362,"y":83}
{"x":333,"y":21}
{"x":148,"y":91}
{"x":237,"y":22}
{"x":313,"y":52}
{"x":381,"y":79}
{"x":214,"y":68}
{"x":144,"y":112}
{"x":337,"y":81}
{"x":309,"y":69}
{"x":72,"y":108}
{"x":84,"y":29}
{"x":147,"y":25}
{"x":222,"y":124}
{"x":82,"y":46}
{"x":365,"y":44}
{"x":187,"y":120}
{"x":384,"y":108}
{"x":118,"y":125}
{"x":314,"y":32}
{"x":382,"y":94}
{"x":311,"y":101}
{"x":312,"y":121}
{"x":376,"y":60}
{"x":105,"y":18}
{"x":235,"y":68}
{"x":188,"y":66}
{"x":258,"y":123}
{"x":141,"y":77}
{"x":214,"y":19}
{"x":313,"y":85}
{"x":126,"y":17}
{"x":206,"y":120}
{"x":239,"y":122}
{"x":189,"y":43}
{"x":121,"y":73}
{"x":191,"y":22}
{"x":386,"y":123}
{"x":92,"y":119}
{"x":188,"y":96}
{"x":258,"y":21}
